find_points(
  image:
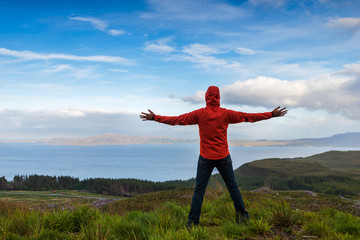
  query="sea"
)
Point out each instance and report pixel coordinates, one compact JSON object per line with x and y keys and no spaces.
{"x":151,"y":162}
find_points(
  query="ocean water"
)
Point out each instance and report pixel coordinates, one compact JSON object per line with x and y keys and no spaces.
{"x":146,"y":162}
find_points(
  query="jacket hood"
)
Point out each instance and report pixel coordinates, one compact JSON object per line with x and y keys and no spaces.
{"x":212,"y":97}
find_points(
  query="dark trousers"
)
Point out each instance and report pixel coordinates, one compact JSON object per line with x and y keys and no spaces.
{"x":204,"y":170}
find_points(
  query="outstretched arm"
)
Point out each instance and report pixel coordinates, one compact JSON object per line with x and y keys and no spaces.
{"x":147,"y":116}
{"x":277,"y":112}
{"x":184,"y":119}
{"x":238,"y":117}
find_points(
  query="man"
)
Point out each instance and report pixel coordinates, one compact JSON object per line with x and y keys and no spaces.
{"x":213,"y":122}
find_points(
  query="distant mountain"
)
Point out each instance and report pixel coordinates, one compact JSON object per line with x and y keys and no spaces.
{"x":109,"y":139}
{"x":115,"y":139}
{"x":334,"y":163}
{"x":339,"y":140}
{"x":351,"y":139}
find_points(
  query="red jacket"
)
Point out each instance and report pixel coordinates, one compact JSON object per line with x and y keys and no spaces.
{"x":213,"y":122}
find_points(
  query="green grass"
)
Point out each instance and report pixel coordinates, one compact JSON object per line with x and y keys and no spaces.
{"x":163,"y":215}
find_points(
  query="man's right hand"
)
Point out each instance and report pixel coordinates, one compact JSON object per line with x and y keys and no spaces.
{"x":277,"y":112}
{"x":147,"y":116}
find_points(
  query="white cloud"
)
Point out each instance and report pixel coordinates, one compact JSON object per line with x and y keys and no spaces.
{"x":95,"y":22}
{"x":189,"y":10}
{"x":72,"y":122}
{"x":201,"y":49}
{"x":335,"y":93}
{"x":349,"y":24}
{"x":114,"y":32}
{"x":100,"y":25}
{"x":58,"y":68}
{"x":198,"y":97}
{"x":345,"y":22}
{"x":159,"y":46}
{"x":271,"y":3}
{"x":68,"y":70}
{"x":63,"y":122}
{"x":245,"y":51}
{"x":28,"y":55}
{"x":119,"y":70}
{"x":201,"y":55}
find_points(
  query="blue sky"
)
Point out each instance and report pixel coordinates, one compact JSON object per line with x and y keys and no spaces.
{"x":82,"y":68}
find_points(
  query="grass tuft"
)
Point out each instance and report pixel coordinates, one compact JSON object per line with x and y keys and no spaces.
{"x":259,"y":226}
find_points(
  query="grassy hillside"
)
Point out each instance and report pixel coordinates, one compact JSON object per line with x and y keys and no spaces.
{"x":339,"y":163}
{"x":163,"y":215}
{"x":333,"y":172}
{"x":345,"y":161}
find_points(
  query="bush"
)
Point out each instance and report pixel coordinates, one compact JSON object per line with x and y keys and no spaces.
{"x":347,"y":223}
{"x":315,"y":226}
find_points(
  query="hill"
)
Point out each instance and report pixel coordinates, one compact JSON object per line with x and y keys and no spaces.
{"x":333,"y":172}
{"x":336,"y":163}
{"x":351,"y":139}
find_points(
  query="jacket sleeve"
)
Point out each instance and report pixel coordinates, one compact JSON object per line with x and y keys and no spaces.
{"x":238,"y":117}
{"x":184,"y":119}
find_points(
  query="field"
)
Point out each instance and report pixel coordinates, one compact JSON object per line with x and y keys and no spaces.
{"x":163,"y":215}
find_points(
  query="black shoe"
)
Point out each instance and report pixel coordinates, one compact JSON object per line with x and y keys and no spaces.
{"x":242,"y":217}
{"x":190,"y":225}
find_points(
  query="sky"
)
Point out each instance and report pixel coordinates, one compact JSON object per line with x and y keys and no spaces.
{"x":83,"y":68}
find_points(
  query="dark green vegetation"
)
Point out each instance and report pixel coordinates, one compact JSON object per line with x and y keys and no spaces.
{"x":119,"y":187}
{"x":334,"y":172}
{"x":163,"y":215}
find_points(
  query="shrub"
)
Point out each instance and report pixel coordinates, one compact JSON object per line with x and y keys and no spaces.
{"x":347,"y":223}
{"x":317,"y":227}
